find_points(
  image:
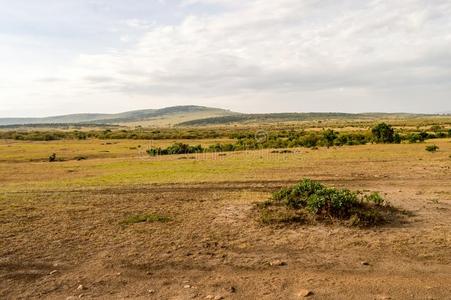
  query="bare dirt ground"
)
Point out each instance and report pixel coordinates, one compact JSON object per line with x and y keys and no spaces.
{"x":214,"y":246}
{"x":66,"y":244}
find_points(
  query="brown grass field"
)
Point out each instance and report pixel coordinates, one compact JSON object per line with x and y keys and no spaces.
{"x":67,"y":228}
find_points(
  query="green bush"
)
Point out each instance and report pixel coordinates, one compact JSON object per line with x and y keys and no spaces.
{"x":383,"y":133}
{"x":52,"y":157}
{"x":432,"y":148}
{"x":310,"y":199}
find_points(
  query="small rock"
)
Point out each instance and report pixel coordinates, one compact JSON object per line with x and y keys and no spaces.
{"x":186,"y":286}
{"x":278,"y":263}
{"x":365,"y":263}
{"x":151,"y":291}
{"x":81,"y":296}
{"x":218,"y":298}
{"x":53,"y":272}
{"x":231,"y":289}
{"x":305,"y":293}
{"x":209,"y":297}
{"x":81,"y":287}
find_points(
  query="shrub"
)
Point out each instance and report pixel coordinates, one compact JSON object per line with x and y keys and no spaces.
{"x":329,"y":137}
{"x":375,"y":198}
{"x":311,"y":200}
{"x":432,"y":148}
{"x":52,"y":157}
{"x":383,"y":133}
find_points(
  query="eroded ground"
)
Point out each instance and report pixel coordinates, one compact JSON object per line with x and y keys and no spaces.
{"x":54,"y":239}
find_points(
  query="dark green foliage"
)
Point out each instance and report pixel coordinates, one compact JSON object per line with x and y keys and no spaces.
{"x":177,"y":148}
{"x":52,"y":157}
{"x":375,"y":198}
{"x":383,"y":133}
{"x":432,"y":148}
{"x":419,"y":137}
{"x":312,"y":200}
{"x":329,"y":137}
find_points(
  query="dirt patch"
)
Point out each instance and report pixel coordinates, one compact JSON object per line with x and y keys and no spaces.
{"x":51,"y":243}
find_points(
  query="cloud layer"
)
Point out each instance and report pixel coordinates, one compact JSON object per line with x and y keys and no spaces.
{"x":253,"y":55}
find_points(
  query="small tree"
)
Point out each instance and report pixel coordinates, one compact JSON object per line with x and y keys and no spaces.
{"x":383,"y":133}
{"x":329,"y":137}
{"x":52,"y":157}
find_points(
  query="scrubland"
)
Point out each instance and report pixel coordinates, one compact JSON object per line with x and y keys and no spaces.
{"x":106,"y":220}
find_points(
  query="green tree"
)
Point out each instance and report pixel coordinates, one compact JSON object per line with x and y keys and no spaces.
{"x":329,"y":137}
{"x":383,"y":133}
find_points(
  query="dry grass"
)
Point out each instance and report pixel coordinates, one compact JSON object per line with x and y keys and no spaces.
{"x":65,"y":216}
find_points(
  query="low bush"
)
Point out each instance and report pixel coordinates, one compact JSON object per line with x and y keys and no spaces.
{"x":432,"y":148}
{"x":52,"y":157}
{"x":312,"y":201}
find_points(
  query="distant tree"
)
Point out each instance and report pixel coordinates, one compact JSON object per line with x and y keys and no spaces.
{"x":423,"y":135}
{"x":52,"y":157}
{"x":329,"y":137}
{"x":383,"y":133}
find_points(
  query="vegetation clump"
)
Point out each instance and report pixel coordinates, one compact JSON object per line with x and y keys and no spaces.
{"x":177,"y":148}
{"x":432,"y":148}
{"x":310,"y":201}
{"x":52,"y":157}
{"x":384,"y":133}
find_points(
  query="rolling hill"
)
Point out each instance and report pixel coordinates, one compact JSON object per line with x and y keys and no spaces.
{"x":161,"y":117}
{"x":296,"y":117}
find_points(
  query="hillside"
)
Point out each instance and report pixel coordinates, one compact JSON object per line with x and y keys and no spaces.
{"x":164,"y":117}
{"x":298,"y":117}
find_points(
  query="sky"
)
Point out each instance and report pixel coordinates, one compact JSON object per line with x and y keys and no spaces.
{"x":72,"y":56}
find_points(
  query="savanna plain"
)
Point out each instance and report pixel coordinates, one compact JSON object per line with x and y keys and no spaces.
{"x":107,"y":220}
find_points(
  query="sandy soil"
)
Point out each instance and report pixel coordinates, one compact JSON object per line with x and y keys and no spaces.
{"x":64,"y":245}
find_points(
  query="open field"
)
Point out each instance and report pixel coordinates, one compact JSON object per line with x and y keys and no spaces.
{"x":63,"y":224}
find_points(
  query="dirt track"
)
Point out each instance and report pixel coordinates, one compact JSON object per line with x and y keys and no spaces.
{"x":53,"y":242}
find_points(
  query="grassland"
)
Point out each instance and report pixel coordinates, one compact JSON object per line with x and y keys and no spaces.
{"x":62,"y":223}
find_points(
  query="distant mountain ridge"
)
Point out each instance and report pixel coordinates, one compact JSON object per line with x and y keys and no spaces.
{"x":192,"y":115}
{"x":178,"y":113}
{"x":296,"y":117}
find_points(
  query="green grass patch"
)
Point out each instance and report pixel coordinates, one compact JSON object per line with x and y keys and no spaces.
{"x":310,"y":201}
{"x":145,"y":218}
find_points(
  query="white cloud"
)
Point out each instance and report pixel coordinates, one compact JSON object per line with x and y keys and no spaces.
{"x":261,"y":55}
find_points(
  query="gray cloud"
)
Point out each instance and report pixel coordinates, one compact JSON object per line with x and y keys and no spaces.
{"x":260,"y":55}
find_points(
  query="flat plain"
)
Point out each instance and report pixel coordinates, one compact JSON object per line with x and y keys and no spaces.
{"x":65,"y":232}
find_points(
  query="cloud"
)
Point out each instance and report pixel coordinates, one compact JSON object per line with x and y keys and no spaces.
{"x":291,"y":45}
{"x":290,"y":54}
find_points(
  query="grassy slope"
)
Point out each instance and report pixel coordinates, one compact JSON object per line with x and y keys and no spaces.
{"x":125,"y":117}
{"x":316,"y":117}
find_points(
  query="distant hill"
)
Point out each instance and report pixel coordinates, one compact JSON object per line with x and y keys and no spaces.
{"x":191,"y":115}
{"x":163,"y":117}
{"x":296,"y":117}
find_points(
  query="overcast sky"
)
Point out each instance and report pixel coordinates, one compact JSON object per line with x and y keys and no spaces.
{"x":68,"y":56}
